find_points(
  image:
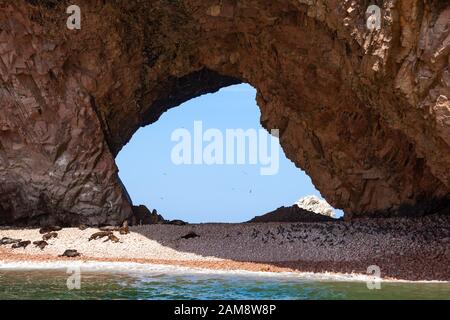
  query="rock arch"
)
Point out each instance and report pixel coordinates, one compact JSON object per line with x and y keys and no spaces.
{"x":365,"y":113}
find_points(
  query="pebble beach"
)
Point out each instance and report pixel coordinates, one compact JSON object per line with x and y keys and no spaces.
{"x":404,"y":249}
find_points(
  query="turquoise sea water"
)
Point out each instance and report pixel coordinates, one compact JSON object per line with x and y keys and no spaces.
{"x":52,"y":284}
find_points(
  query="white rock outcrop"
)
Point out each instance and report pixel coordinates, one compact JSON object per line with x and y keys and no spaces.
{"x":316,"y":205}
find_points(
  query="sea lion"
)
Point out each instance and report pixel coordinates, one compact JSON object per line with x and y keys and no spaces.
{"x":82,"y":227}
{"x":40,"y":244}
{"x":70,"y":253}
{"x":112,"y":238}
{"x":99,"y":235}
{"x":190,"y":235}
{"x":124,"y":229}
{"x":6,"y":240}
{"x":50,"y":235}
{"x":49,"y":229}
{"x":21,"y":244}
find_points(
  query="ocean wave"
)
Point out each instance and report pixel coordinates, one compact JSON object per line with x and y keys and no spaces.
{"x":136,"y":268}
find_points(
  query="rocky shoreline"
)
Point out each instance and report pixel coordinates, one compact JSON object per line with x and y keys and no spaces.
{"x":403,"y":248}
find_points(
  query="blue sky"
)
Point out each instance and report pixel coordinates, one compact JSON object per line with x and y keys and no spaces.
{"x":207,"y":193}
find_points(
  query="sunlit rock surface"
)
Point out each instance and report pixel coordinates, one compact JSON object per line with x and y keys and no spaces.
{"x":316,"y":205}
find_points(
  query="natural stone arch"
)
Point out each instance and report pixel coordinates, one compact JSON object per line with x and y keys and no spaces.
{"x":364,"y":113}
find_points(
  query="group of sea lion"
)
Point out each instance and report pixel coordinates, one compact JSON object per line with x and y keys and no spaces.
{"x":18,"y":243}
{"x":122,"y":230}
{"x":49,"y":232}
{"x":108,"y":232}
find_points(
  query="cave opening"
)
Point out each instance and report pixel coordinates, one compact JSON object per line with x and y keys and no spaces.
{"x":227,"y":189}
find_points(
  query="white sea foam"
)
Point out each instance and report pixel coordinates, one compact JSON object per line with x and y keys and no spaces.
{"x":140,"y":268}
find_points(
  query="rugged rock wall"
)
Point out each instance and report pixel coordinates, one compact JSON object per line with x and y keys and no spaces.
{"x":365,"y":113}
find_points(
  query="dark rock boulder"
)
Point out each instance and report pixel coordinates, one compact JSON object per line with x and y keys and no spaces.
{"x":143,"y":216}
{"x":291,"y":214}
{"x":177,"y":222}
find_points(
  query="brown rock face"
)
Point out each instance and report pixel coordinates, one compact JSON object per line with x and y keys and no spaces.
{"x":365,"y":113}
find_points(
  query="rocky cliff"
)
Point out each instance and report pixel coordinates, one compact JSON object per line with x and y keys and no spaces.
{"x":365,"y":113}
